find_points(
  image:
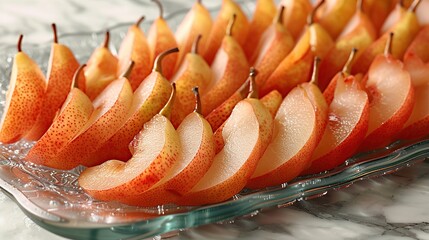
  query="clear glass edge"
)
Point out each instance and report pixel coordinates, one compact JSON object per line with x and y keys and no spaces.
{"x":362,"y":166}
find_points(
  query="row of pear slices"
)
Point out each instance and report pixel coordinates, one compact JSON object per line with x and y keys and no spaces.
{"x":193,"y":166}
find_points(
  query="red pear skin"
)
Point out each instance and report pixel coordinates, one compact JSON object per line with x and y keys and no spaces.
{"x":24,"y":98}
{"x":263,"y":16}
{"x":217,"y":33}
{"x":348,"y":118}
{"x":136,"y":48}
{"x":72,"y":117}
{"x":62,"y":67}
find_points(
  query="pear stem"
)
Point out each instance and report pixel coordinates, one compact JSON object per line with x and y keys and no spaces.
{"x":54,"y":30}
{"x":196,"y":44}
{"x":388,"y":48}
{"x":310,"y":19}
{"x":279,"y":16}
{"x":19,"y":43}
{"x":199,"y":1}
{"x":76,"y":74}
{"x":253,"y":90}
{"x":106,"y":39}
{"x":315,"y":75}
{"x":348,"y":66}
{"x":127,"y":72}
{"x":157,"y":66}
{"x":401,"y":3}
{"x":414,"y":5}
{"x":231,"y":25}
{"x":161,"y":8}
{"x":244,"y":89}
{"x":359,"y":5}
{"x":166,"y":110}
{"x":139,"y":21}
{"x":197,"y":100}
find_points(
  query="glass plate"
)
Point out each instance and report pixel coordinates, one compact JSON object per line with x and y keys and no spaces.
{"x":53,"y":199}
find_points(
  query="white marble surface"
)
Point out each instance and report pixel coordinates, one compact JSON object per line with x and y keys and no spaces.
{"x":391,"y":207}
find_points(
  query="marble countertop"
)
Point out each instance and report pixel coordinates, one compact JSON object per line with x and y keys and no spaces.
{"x":388,"y":207}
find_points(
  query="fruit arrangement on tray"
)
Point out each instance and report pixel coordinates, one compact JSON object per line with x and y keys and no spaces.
{"x":195,"y":116}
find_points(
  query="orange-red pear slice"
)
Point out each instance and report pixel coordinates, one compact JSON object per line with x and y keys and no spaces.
{"x":217,"y":33}
{"x":298,"y":128}
{"x":24,"y":98}
{"x":274,"y":45}
{"x":246,"y":135}
{"x":416,"y":62}
{"x":230,"y":69}
{"x":391,"y":95}
{"x":196,"y":22}
{"x":72,"y":117}
{"x":61,"y":69}
{"x":160,"y":39}
{"x":110,"y":107}
{"x":194,"y":71}
{"x":348,"y":118}
{"x":148,"y":99}
{"x":134,"y":47}
{"x":264,"y":13}
{"x":155,"y":150}
{"x":197,"y":154}
{"x":101,"y":69}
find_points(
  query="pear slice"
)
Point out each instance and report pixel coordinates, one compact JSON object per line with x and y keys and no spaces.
{"x":347,"y":126}
{"x":197,"y":22}
{"x":24,"y":97}
{"x":230,"y":69}
{"x":220,"y":25}
{"x":61,"y":69}
{"x":296,"y":67}
{"x":155,"y":149}
{"x":148,"y":99}
{"x":194,"y":71}
{"x":135,"y":48}
{"x":110,"y":107}
{"x":298,"y":128}
{"x":246,"y":134}
{"x":416,"y":62}
{"x":72,"y":117}
{"x":265,"y":11}
{"x":161,"y":38}
{"x":196,"y":137}
{"x":274,"y":45}
{"x":101,"y":69}
{"x":391,"y":95}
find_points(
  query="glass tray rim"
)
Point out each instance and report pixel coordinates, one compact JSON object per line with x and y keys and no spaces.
{"x":362,"y":166}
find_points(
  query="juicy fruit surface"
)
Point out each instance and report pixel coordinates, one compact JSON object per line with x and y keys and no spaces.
{"x":116,"y":179}
{"x":347,"y":126}
{"x":246,"y":135}
{"x":291,"y":136}
{"x":391,"y":99}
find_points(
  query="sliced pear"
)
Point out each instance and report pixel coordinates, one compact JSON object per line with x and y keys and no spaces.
{"x":72,"y":117}
{"x":160,"y":39}
{"x":24,"y":97}
{"x":246,"y":134}
{"x":230,"y":69}
{"x":155,"y":150}
{"x":134,"y":47}
{"x":101,"y":69}
{"x":298,"y":128}
{"x":391,"y":97}
{"x":148,"y":99}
